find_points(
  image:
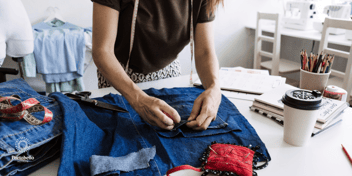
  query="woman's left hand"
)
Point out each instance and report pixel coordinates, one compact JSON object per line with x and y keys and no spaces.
{"x":205,"y":109}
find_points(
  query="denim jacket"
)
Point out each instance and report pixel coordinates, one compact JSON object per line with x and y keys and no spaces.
{"x":107,"y":133}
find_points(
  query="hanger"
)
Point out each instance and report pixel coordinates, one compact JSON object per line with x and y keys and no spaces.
{"x":54,"y":14}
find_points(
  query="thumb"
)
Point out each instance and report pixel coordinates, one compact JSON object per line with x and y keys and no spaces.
{"x":197,"y":106}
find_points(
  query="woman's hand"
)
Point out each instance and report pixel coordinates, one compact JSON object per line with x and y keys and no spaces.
{"x":205,"y":108}
{"x":156,"y":112}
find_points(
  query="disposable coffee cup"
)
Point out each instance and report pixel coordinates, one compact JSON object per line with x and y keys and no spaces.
{"x":301,"y":110}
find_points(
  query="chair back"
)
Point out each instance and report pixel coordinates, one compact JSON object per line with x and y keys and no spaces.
{"x":258,"y":53}
{"x":347,"y":75}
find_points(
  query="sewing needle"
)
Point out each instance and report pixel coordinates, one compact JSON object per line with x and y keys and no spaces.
{"x":213,"y":150}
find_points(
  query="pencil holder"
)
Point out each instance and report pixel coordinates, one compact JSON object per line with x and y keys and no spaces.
{"x":313,"y":81}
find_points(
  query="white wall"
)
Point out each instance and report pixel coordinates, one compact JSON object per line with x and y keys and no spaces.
{"x":233,"y":42}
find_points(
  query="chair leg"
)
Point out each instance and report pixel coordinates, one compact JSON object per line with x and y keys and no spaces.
{"x":2,"y":77}
{"x":21,"y":70}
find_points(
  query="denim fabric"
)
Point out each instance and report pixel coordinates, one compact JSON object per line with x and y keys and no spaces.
{"x":42,"y":155}
{"x":39,"y":140}
{"x":133,"y":161}
{"x":108,"y":133}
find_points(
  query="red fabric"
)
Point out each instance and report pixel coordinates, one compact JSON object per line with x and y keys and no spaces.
{"x":183,"y":167}
{"x":231,"y":158}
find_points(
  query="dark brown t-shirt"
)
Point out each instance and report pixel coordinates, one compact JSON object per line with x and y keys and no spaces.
{"x":162,"y":30}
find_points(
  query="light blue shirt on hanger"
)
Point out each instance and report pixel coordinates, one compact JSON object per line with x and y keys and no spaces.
{"x":59,"y":51}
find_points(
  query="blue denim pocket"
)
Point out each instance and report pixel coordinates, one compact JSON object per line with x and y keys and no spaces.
{"x":218,"y":126}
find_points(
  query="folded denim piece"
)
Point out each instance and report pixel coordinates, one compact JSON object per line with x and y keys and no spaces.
{"x":21,"y":139}
{"x":130,"y":162}
{"x":91,"y":131}
{"x":41,"y":156}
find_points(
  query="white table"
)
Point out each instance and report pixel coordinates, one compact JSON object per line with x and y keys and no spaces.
{"x":308,"y":34}
{"x":322,"y":156}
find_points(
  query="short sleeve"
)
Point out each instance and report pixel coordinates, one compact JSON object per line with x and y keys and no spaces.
{"x":114,"y":4}
{"x":203,"y":15}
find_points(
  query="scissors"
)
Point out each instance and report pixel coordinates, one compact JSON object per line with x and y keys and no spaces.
{"x":83,"y":97}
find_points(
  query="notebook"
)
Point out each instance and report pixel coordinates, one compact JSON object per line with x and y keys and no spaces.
{"x":247,"y":80}
{"x":271,"y":101}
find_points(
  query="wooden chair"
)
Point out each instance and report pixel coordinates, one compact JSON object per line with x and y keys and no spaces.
{"x":276,"y":65}
{"x":323,"y":47}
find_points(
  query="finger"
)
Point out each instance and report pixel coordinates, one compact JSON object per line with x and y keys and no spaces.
{"x":170,"y":112}
{"x":163,"y":118}
{"x":157,"y":118}
{"x":162,"y":125}
{"x":205,"y":125}
{"x":199,"y":119}
{"x":197,"y":106}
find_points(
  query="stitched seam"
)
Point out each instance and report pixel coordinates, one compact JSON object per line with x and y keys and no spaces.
{"x":52,"y":138}
{"x":35,"y":164}
{"x":37,"y":126}
{"x":221,"y":119}
{"x":5,"y":145}
{"x":45,"y":99}
{"x":129,"y":114}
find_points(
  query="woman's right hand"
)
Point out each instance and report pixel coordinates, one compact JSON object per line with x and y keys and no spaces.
{"x":156,"y":112}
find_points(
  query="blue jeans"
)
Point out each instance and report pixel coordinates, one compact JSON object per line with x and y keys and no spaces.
{"x":107,"y":133}
{"x":39,"y":143}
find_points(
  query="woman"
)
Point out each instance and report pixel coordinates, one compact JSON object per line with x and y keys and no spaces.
{"x":161,"y":30}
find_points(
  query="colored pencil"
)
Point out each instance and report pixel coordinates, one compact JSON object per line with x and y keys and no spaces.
{"x":345,"y":151}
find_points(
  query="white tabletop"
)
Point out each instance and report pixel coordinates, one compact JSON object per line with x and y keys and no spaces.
{"x":308,"y":34}
{"x":322,"y":156}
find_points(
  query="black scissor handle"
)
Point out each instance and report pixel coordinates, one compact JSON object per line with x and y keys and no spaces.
{"x":84,"y":94}
{"x":74,"y":96}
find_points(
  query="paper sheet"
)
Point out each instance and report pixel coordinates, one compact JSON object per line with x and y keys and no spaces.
{"x":230,"y":79}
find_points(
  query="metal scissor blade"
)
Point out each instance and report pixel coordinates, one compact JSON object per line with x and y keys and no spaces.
{"x":83,"y":99}
{"x":109,"y":106}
